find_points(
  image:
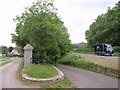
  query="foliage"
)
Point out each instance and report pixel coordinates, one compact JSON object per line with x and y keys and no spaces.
{"x":1,"y":49}
{"x":4,"y":50}
{"x":116,"y":48}
{"x":80,"y":45}
{"x":10,"y":49}
{"x":106,"y":28}
{"x":85,"y":50}
{"x":117,"y":54}
{"x":75,"y":61}
{"x":40,"y":71}
{"x":19,"y":50}
{"x":40,"y":26}
{"x":82,"y":48}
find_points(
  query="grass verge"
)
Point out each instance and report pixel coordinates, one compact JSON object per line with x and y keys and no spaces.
{"x":5,"y":62}
{"x":40,"y":71}
{"x":61,"y":84}
{"x":117,"y":54}
{"x":79,"y":62}
{"x":105,"y":62}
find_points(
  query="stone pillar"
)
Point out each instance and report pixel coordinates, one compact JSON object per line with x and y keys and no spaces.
{"x":27,"y":54}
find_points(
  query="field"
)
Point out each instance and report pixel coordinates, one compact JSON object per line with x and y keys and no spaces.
{"x":101,"y":61}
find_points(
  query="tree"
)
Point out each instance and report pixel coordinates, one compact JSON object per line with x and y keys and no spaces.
{"x":106,"y":28}
{"x":10,"y":49}
{"x":4,"y":50}
{"x":40,"y":26}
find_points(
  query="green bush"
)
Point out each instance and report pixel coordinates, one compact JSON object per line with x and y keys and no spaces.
{"x":73,"y":60}
{"x":116,"y":48}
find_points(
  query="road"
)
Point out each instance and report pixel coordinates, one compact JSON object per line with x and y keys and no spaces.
{"x":107,"y":57}
{"x":81,"y":78}
{"x":8,"y":75}
{"x":86,"y":79}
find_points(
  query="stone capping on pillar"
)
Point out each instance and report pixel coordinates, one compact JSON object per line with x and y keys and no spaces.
{"x":28,"y":46}
{"x":59,"y":77}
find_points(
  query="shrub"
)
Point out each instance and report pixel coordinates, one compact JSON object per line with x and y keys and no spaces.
{"x":116,"y":48}
{"x":73,"y":60}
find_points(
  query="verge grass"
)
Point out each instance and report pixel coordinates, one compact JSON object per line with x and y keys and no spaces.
{"x":65,"y":83}
{"x":40,"y":70}
{"x":91,"y":64}
{"x":117,"y":54}
{"x":73,"y":60}
{"x":61,"y":84}
{"x":110,"y":63}
{"x":5,"y":62}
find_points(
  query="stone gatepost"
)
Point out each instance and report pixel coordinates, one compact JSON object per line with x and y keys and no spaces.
{"x":27,"y":54}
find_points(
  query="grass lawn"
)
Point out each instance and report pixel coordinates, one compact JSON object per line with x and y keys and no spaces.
{"x":46,"y":70}
{"x":101,"y":61}
{"x":5,"y":62}
{"x":40,"y":71}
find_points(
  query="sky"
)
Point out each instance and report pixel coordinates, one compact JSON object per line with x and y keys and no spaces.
{"x":77,"y":16}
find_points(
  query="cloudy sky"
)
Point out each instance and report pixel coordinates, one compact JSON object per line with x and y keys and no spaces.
{"x":77,"y":16}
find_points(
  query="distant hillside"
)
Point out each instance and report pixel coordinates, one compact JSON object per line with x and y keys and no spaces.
{"x":79,"y":45}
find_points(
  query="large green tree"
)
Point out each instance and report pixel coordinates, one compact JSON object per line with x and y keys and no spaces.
{"x":40,"y":26}
{"x":106,"y":28}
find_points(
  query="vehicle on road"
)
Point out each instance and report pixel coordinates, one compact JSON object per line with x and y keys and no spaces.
{"x":103,"y":49}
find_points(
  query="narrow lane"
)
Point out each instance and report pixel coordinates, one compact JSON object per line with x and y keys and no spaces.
{"x":86,"y":79}
{"x":8,"y":75}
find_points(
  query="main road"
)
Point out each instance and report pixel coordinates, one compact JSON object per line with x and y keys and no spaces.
{"x":107,"y":57}
{"x":8,"y":77}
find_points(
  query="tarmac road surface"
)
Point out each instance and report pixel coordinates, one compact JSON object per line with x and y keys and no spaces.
{"x":107,"y":57}
{"x":86,"y":79}
{"x":8,"y":77}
